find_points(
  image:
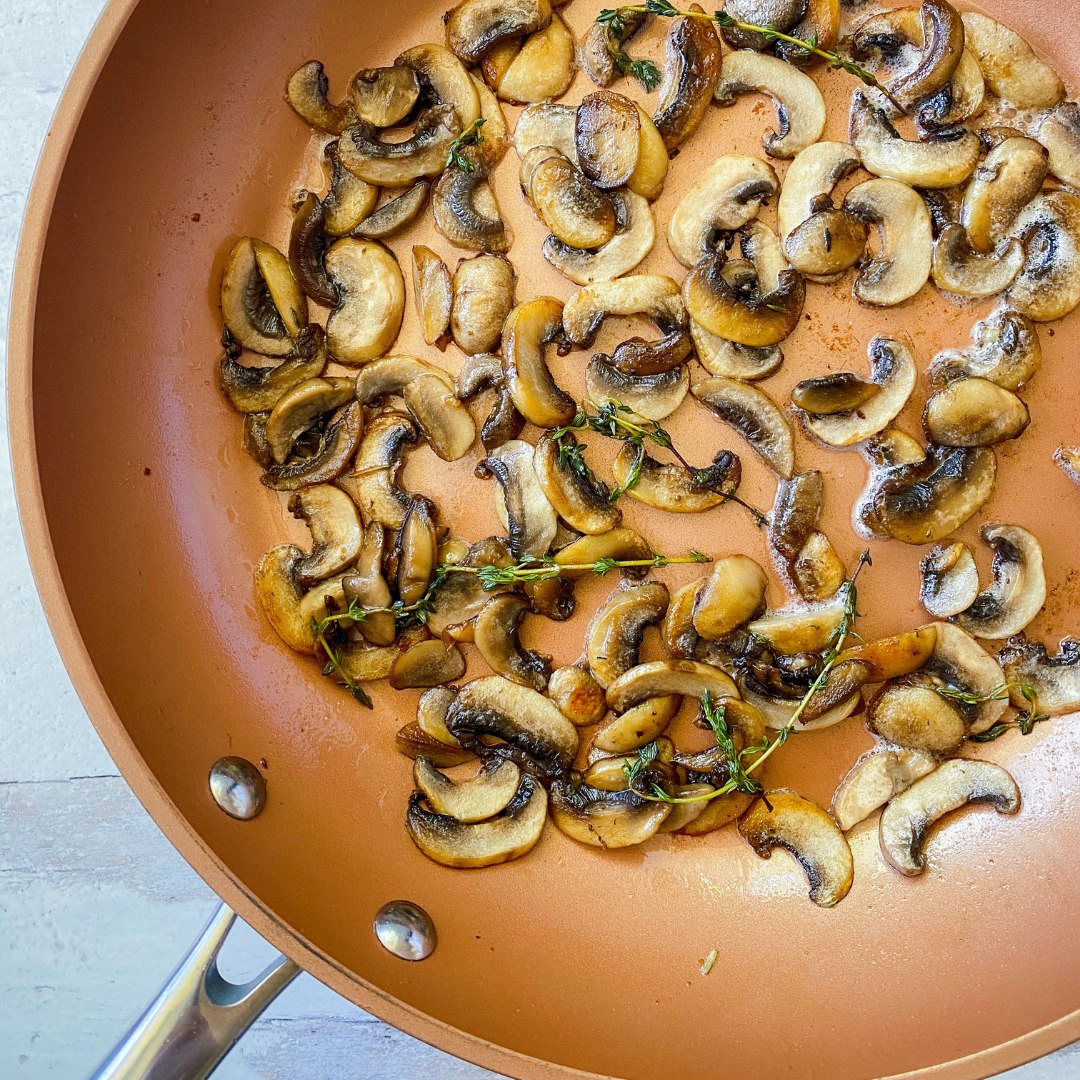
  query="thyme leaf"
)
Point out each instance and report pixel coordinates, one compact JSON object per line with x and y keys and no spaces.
{"x":471,"y":136}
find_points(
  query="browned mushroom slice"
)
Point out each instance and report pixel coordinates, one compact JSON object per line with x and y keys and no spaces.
{"x":639,"y":725}
{"x":653,"y":295}
{"x":307,"y":92}
{"x":1005,"y":349}
{"x":942,"y":48}
{"x":466,"y":211}
{"x":596,"y":51}
{"x":296,"y":411}
{"x":531,"y":519}
{"x":384,"y":96}
{"x":668,"y":487}
{"x":504,"y":422}
{"x":528,"y":328}
{"x":335,"y":531}
{"x":280,"y":594}
{"x":821,"y":22}
{"x":621,"y":544}
{"x":1048,"y":287}
{"x":461,"y":596}
{"x":576,"y":212}
{"x":802,"y":628}
{"x":961,"y":98}
{"x":755,"y":416}
{"x":372,"y":481}
{"x":729,"y":359}
{"x":395,"y":215}
{"x":442,"y":419}
{"x":1055,"y":680}
{"x":892,"y":657}
{"x":331,"y":457}
{"x":439,"y":69}
{"x":607,"y":133}
{"x":677,"y":630}
{"x":660,"y":678}
{"x":817,"y":571}
{"x":259,"y":389}
{"x":818,"y":714}
{"x":483,"y":298}
{"x":1059,"y":131}
{"x":509,"y":836}
{"x":1067,"y":459}
{"x":909,"y":816}
{"x":781,"y":14}
{"x":605,"y":819}
{"x":691,"y":67}
{"x":639,"y":357}
{"x":414,"y":742}
{"x":433,"y":293}
{"x":974,"y":412}
{"x":1010,"y":176}
{"x":307,"y":246}
{"x":962,"y":664}
{"x":261,"y":301}
{"x":615,"y":634}
{"x":891,"y":457}
{"x":428,"y":663}
{"x":715,"y":813}
{"x":579,"y":696}
{"x":957,"y":268}
{"x":826,"y":395}
{"x":649,"y":397}
{"x":547,"y":124}
{"x":475,"y":26}
{"x":875,"y":780}
{"x":391,"y":374}
{"x":795,"y":512}
{"x":579,"y":498}
{"x":918,"y":717}
{"x":349,"y":199}
{"x":730,"y":596}
{"x":366,"y":586}
{"x":371,"y":300}
{"x":496,"y":638}
{"x":416,"y":550}
{"x":399,"y":164}
{"x":254,"y":440}
{"x":786,"y":820}
{"x":475,"y":799}
{"x":1010,"y":67}
{"x":543,"y":67}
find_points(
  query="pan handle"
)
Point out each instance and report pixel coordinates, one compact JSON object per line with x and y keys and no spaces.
{"x":198,"y":1016}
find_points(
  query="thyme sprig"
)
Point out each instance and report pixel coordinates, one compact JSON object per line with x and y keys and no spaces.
{"x":333,"y":659}
{"x":471,"y":136}
{"x":769,"y":33}
{"x":1025,"y":720}
{"x":615,"y":28}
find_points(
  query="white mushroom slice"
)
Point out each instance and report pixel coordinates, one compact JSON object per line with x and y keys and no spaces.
{"x":1055,"y":680}
{"x":1010,"y":67}
{"x":371,"y":300}
{"x":527,"y":330}
{"x":496,"y":131}
{"x":607,"y":819}
{"x":440,"y":69}
{"x":660,"y":678}
{"x":730,"y":596}
{"x":777,"y":712}
{"x":800,"y":108}
{"x":444,"y":422}
{"x":634,"y":237}
{"x":1048,"y":287}
{"x":755,"y":416}
{"x":433,"y":294}
{"x":579,"y":696}
{"x":1067,"y":459}
{"x":892,"y":367}
{"x":943,"y":162}
{"x":892,"y":657}
{"x":495,"y":635}
{"x":902,"y":266}
{"x":649,"y":397}
{"x":509,"y":836}
{"x":724,"y":197}
{"x":875,"y":780}
{"x":653,"y":295}
{"x":1005,"y":349}
{"x":483,"y":291}
{"x":615,"y":633}
{"x":476,"y":799}
{"x":950,"y":580}
{"x":335,"y":528}
{"x":801,"y":628}
{"x":621,"y":543}
{"x":544,"y":67}
{"x":473,"y":27}
{"x":1018,"y":590}
{"x":960,"y":662}
{"x":1059,"y":131}
{"x":531,"y":519}
{"x":813,"y":174}
{"x":907,"y":819}
{"x":1008,"y":179}
{"x":372,"y":483}
{"x":729,"y":359}
{"x":431,"y":712}
{"x":888,"y":455}
{"x":974,"y":412}
{"x":297,"y":410}
{"x":547,"y":124}
{"x":796,"y":509}
{"x":959,"y":269}
{"x":961,"y":98}
{"x":280,"y":594}
{"x":817,"y":571}
{"x":786,"y":820}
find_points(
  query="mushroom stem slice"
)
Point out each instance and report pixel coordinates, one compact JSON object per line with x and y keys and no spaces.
{"x":607,"y":819}
{"x":1018,"y":590}
{"x":528,"y":328}
{"x":892,"y":657}
{"x":495,"y":635}
{"x":909,"y":816}
{"x":661,"y":678}
{"x":692,"y":62}
{"x":786,"y":820}
{"x":755,"y":416}
{"x":478,"y":798}
{"x":875,"y":780}
{"x":1054,"y":679}
{"x":509,"y":836}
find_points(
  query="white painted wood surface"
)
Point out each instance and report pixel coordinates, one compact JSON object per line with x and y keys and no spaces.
{"x":95,"y":905}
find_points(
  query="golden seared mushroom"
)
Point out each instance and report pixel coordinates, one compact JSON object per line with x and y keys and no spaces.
{"x":892,"y":657}
{"x":389,"y":375}
{"x":438,"y":68}
{"x":371,"y":300}
{"x":731,"y":595}
{"x":350,"y":200}
{"x":428,"y":663}
{"x":755,"y":416}
{"x":324,"y":597}
{"x":495,"y":635}
{"x":496,"y":130}
{"x":649,"y":397}
{"x":504,"y":422}
{"x":950,"y":580}
{"x":974,"y":412}
{"x":909,"y":816}
{"x":528,"y":328}
{"x":619,"y":544}
{"x":535,"y":733}
{"x":433,"y":293}
{"x":531,"y":519}
{"x":876,"y":780}
{"x":307,"y":246}
{"x":372,"y":483}
{"x":1055,"y":680}
{"x":663,"y":678}
{"x":329,"y":459}
{"x":579,"y":696}
{"x":942,"y":49}
{"x":801,"y":628}
{"x":780,"y":14}
{"x":711,"y":815}
{"x":384,"y":96}
{"x":962,"y":664}
{"x":1067,"y":459}
{"x":473,"y":27}
{"x":1005,"y":349}
{"x":254,"y":439}
{"x":647,"y":179}
{"x":1010,"y":67}
{"x":654,"y":295}
{"x":483,"y":292}
{"x":833,"y":701}
{"x":607,"y":819}
{"x":1058,"y":130}
{"x":547,"y":124}
{"x":1010,"y":176}
{"x":961,"y":98}
{"x":916,"y":716}
{"x":891,"y":458}
{"x":892,"y":370}
{"x":800,"y":108}
{"x":634,"y":237}
{"x":607,"y":132}
{"x":1048,"y":287}
{"x":543,"y":68}
{"x":476,"y":799}
{"x":509,"y":836}
{"x":638,"y":357}
{"x":416,"y":550}
{"x":431,"y":712}
{"x":413,"y":741}
{"x":903,"y":263}
{"x":677,"y":630}
{"x":296,"y":411}
{"x":576,"y":212}
{"x":729,"y":359}
{"x":395,"y":215}
{"x":723,"y":198}
{"x":639,"y":725}
{"x":579,"y":498}
{"x":261,"y":301}
{"x":461,"y":596}
{"x":826,"y":395}
{"x":259,"y":389}
{"x":366,"y":586}
{"x":672,"y":487}
{"x":280,"y":594}
{"x":399,"y":164}
{"x":615,"y":633}
{"x":307,"y":91}
{"x":466,"y":211}
{"x":959,"y":269}
{"x":336,"y":533}
{"x":925,"y":503}
{"x":786,"y":820}
{"x":817,"y":571}
{"x":443,"y":421}
{"x":1018,"y":589}
{"x":692,"y":61}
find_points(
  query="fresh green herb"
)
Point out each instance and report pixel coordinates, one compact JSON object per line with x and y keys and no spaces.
{"x":645,"y":71}
{"x":333,"y":660}
{"x":471,"y":136}
{"x":632,"y":770}
{"x":1025,"y":720}
{"x":709,"y":961}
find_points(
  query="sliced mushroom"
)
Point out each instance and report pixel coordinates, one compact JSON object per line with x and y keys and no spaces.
{"x":1008,"y":179}
{"x":261,"y":301}
{"x":307,"y":246}
{"x":1010,"y":67}
{"x":608,"y":819}
{"x":821,"y":22}
{"x":483,"y":297}
{"x":1055,"y":680}
{"x":826,"y":395}
{"x":543,"y":68}
{"x":416,"y":550}
{"x":296,"y":411}
{"x":259,"y":389}
{"x":670,"y":487}
{"x":531,"y":519}
{"x":461,"y":596}
{"x":349,"y":199}
{"x":892,"y":368}
{"x":653,"y":295}
{"x":476,"y":799}
{"x":950,"y":580}
{"x":974,"y":412}
{"x":504,"y":422}
{"x":961,"y":98}
{"x":536,"y":735}
{"x":649,"y":397}
{"x":371,"y":300}
{"x":691,"y":67}
{"x":509,"y":836}
{"x":280,"y":593}
{"x":802,"y":628}
{"x":619,"y":544}
{"x":1005,"y":349}
{"x":795,"y":512}
{"x":800,"y":108}
{"x":901,"y":267}
{"x":307,"y":91}
{"x":439,"y":69}
{"x":638,"y":357}
{"x":596,"y":52}
{"x":366,"y":586}
{"x":428,"y":663}
{"x":723,"y":198}
{"x":576,"y":212}
{"x":942,"y":48}
{"x":957,"y":268}
{"x":1059,"y":131}
{"x":335,"y":531}
{"x":395,"y":215}
{"x":1067,"y":459}
{"x":528,"y":328}
{"x":579,"y":498}
{"x":431,"y":712}
{"x":755,"y":416}
{"x":661,"y":678}
{"x":960,"y":662}
{"x":716,"y":813}
{"x":391,"y":374}
{"x":615,"y":633}
{"x":328,"y":460}
{"x":942,"y":162}
{"x":821,"y":712}
{"x":547,"y":124}
{"x":413,"y":742}
{"x":384,"y":96}
{"x":638,"y":726}
{"x":579,"y":696}
{"x":786,"y":820}
{"x":466,"y":211}
{"x":729,"y":359}
{"x":607,"y":134}
{"x":372,"y":482}
{"x":890,"y":457}
{"x":475,"y":26}
{"x":781,"y":14}
{"x":876,"y":780}
{"x":917,"y":717}
{"x":730,"y":596}
{"x":444,"y":422}
{"x":633,"y":240}
{"x":892,"y":657}
{"x":1048,"y":287}
{"x":909,"y":816}
{"x":817,"y":571}
{"x":399,"y":164}
{"x":496,"y":638}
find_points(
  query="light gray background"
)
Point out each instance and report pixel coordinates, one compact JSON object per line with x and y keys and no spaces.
{"x":95,"y":905}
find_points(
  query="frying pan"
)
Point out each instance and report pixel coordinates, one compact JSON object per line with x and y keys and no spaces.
{"x":144,"y":521}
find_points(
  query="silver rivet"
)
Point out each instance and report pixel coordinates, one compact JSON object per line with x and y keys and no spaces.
{"x":405,"y":930}
{"x":238,"y":787}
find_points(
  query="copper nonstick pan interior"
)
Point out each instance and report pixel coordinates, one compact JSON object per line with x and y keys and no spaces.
{"x":145,"y":519}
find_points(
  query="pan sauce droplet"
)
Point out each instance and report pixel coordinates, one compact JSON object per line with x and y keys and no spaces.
{"x":405,"y":930}
{"x":238,"y":787}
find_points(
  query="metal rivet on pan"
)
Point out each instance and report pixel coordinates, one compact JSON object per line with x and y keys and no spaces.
{"x":405,"y":930}
{"x":238,"y":787}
